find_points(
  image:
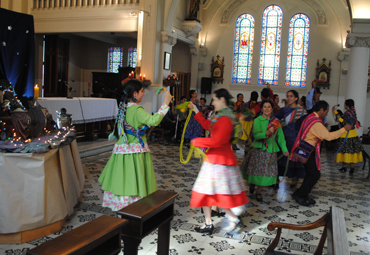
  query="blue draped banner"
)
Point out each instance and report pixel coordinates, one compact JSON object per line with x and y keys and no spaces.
{"x":17,"y":51}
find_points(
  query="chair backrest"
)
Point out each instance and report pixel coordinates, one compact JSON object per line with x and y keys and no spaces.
{"x":334,"y":232}
{"x":337,"y":233}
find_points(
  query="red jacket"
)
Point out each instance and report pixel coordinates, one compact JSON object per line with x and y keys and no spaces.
{"x":220,"y":151}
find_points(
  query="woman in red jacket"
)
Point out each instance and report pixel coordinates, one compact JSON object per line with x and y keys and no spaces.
{"x":219,"y":182}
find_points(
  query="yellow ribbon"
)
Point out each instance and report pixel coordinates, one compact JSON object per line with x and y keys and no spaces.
{"x":197,"y":151}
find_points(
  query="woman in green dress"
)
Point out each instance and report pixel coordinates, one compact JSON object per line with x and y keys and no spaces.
{"x":129,"y":175}
{"x":262,"y":167}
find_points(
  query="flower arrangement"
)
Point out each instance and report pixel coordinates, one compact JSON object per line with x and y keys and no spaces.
{"x":172,"y":76}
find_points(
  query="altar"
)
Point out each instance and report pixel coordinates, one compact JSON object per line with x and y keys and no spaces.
{"x":38,"y":192}
{"x":89,"y":114}
{"x":83,"y":109}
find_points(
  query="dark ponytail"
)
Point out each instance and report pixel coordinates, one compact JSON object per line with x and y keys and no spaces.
{"x":225,"y":94}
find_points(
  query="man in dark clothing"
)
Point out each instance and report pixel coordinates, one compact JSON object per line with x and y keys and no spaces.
{"x":312,"y":131}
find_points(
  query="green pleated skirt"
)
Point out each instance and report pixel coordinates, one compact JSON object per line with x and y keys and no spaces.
{"x":129,"y":175}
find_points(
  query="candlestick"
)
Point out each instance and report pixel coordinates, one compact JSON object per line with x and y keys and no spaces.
{"x":36,"y":91}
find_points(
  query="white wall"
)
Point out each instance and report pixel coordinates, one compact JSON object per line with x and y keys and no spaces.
{"x":181,"y":59}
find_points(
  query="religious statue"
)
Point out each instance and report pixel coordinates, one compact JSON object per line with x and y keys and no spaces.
{"x":193,"y":12}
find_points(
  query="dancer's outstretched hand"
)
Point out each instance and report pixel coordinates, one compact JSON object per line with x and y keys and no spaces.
{"x":167,"y":97}
{"x":195,"y":109}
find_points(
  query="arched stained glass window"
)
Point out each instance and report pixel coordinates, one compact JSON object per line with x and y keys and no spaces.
{"x":115,"y":55}
{"x":272,"y":19}
{"x":132,"y":53}
{"x":299,"y":36}
{"x":243,"y":49}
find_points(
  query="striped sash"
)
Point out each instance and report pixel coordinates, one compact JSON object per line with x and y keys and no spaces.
{"x":306,"y":126}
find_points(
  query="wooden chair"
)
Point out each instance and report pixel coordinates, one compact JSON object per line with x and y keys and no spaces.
{"x":99,"y":236}
{"x":334,"y":232}
{"x":157,"y":132}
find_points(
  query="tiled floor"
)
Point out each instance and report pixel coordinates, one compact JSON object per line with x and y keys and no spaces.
{"x":334,"y":188}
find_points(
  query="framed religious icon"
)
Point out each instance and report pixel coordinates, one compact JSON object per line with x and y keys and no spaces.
{"x":323,"y":74}
{"x":167,"y":61}
{"x":217,"y":69}
{"x":217,"y":72}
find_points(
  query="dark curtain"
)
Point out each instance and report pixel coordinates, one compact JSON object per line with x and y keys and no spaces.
{"x":17,"y":51}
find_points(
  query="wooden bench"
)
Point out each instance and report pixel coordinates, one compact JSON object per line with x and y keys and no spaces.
{"x":366,"y":155}
{"x":334,"y":231}
{"x":100,"y":236}
{"x":144,"y":216}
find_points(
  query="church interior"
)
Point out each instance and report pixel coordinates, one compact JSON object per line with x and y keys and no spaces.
{"x":183,"y":45}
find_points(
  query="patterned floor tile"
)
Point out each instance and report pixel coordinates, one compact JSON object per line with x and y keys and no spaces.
{"x":333,"y":188}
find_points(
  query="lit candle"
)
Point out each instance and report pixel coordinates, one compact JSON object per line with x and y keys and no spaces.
{"x":36,"y":91}
{"x":144,"y":77}
{"x":140,"y":76}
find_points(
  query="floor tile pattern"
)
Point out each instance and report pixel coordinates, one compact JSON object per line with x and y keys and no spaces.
{"x":334,"y":188}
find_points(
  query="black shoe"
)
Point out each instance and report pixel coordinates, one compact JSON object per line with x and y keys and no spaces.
{"x":217,"y":214}
{"x":342,"y":169}
{"x":275,"y":186}
{"x":310,"y":200}
{"x":207,"y":229}
{"x":351,"y":171}
{"x":259,"y":197}
{"x":300,"y":200}
{"x":214,"y":213}
{"x":251,"y":188}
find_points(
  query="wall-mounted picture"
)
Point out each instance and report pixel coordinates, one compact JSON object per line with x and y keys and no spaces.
{"x":167,"y":61}
{"x":323,"y":76}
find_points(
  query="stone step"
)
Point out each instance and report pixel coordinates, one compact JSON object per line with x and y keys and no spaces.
{"x":88,"y":149}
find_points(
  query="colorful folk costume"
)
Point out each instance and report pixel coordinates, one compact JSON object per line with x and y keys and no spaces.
{"x":351,"y":151}
{"x":219,"y":182}
{"x":261,"y":166}
{"x":247,"y":124}
{"x":129,"y":175}
{"x":289,"y":118}
{"x":194,"y":129}
{"x":312,"y":131}
{"x":238,"y":108}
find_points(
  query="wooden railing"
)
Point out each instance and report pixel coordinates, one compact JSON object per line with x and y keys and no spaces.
{"x":46,"y":4}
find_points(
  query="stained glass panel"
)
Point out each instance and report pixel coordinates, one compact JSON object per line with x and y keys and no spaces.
{"x":272,"y":19}
{"x":243,"y":49}
{"x":115,"y":55}
{"x":132,"y":53}
{"x":299,"y":35}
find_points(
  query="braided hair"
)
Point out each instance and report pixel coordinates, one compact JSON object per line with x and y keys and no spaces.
{"x":351,"y":105}
{"x":128,"y":95}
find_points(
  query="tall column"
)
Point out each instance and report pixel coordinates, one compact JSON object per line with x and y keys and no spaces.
{"x":356,"y":89}
{"x":194,"y":68}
